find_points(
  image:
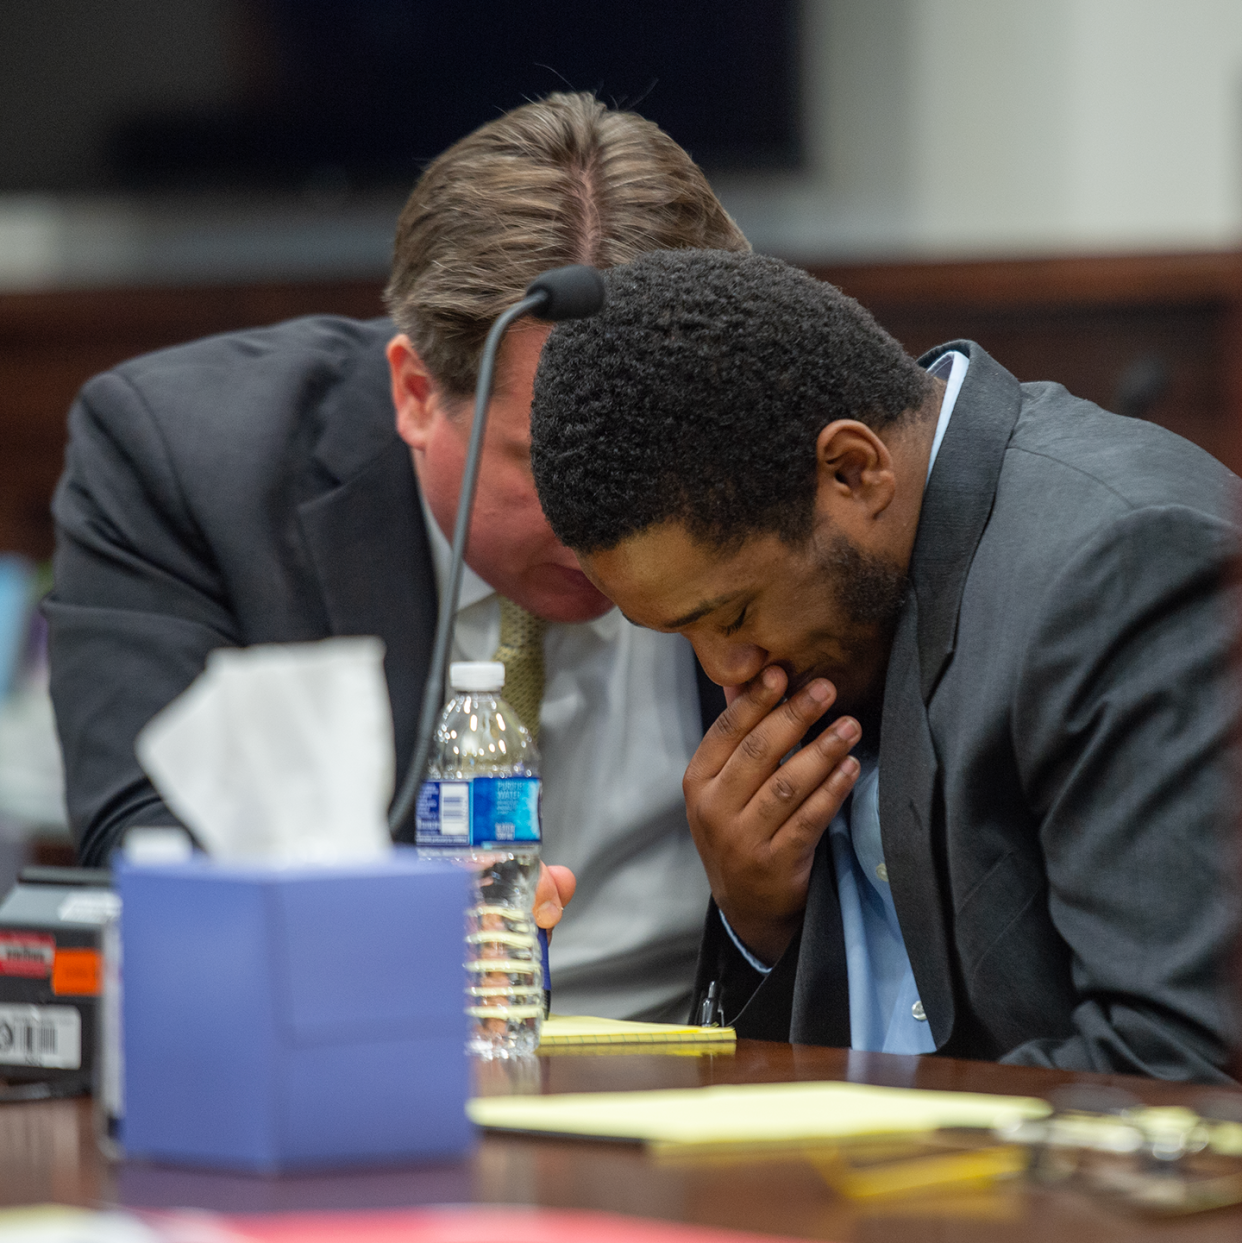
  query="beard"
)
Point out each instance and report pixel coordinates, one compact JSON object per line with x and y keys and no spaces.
{"x":869,"y":590}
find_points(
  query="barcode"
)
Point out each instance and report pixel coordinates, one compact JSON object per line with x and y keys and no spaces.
{"x":48,"y":1036}
{"x":454,"y":809}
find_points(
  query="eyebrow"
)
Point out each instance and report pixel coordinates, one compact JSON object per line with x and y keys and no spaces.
{"x":708,"y":606}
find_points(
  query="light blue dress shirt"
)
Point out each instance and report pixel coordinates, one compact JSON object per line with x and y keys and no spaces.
{"x":886,"y":1015}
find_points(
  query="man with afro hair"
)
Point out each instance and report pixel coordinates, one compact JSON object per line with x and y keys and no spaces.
{"x":972,"y":792}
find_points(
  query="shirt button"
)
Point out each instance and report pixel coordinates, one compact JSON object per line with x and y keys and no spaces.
{"x":918,"y":1012}
{"x":881,"y":870}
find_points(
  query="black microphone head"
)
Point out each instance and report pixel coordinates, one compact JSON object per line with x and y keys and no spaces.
{"x":575,"y":292}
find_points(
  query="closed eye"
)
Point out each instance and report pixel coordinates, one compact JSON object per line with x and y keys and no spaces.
{"x":734,"y":626}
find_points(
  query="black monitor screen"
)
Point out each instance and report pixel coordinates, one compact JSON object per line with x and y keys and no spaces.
{"x":366,"y":91}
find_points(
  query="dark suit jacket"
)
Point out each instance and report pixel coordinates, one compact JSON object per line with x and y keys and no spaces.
{"x":248,"y":488}
{"x":1056,"y":799}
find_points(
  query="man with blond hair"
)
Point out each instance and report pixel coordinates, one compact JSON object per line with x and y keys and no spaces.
{"x":295,"y":482}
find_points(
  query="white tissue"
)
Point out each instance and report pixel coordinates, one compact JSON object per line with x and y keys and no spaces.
{"x":281,"y":753}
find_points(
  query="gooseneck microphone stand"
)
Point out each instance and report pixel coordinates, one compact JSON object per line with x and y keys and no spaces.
{"x":573,"y":292}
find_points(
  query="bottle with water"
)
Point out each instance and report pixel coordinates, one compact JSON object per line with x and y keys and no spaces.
{"x":480,"y":806}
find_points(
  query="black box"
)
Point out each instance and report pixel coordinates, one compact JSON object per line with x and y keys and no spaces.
{"x":50,"y":973}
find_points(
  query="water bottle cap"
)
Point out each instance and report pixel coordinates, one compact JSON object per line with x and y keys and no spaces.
{"x":477,"y":675}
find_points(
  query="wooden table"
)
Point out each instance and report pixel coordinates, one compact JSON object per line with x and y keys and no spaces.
{"x":47,"y":1153}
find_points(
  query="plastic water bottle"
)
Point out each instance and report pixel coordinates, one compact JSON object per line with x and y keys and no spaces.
{"x":480,"y":805}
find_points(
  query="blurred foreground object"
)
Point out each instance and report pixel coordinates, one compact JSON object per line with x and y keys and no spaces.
{"x":31,"y":772}
{"x":50,"y":979}
{"x":33,"y":823}
{"x":294,"y":999}
{"x":438,"y":1224}
{"x":280,"y":752}
{"x":1166,"y":1160}
{"x":286,"y":1017}
{"x":746,"y":1118}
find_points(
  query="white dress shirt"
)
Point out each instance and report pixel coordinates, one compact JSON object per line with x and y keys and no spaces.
{"x":619,"y":723}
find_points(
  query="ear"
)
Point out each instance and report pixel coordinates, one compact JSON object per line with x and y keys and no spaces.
{"x":415,"y":396}
{"x":856,"y":481}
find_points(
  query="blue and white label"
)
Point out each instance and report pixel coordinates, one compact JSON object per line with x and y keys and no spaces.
{"x":487,"y":811}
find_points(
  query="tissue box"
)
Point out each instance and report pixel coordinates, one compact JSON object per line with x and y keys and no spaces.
{"x":285,"y":1018}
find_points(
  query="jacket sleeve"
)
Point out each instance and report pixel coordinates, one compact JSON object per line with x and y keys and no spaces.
{"x":1125,"y":718}
{"x":757,"y":1006}
{"x":137,"y":605}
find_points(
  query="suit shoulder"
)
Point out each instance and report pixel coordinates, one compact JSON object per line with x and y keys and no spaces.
{"x":233,"y":432}
{"x":253,"y":392}
{"x":1111,"y":462}
{"x":303,"y":341}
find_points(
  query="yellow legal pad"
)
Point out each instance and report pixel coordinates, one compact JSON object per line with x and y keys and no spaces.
{"x":579,"y":1031}
{"x":792,"y":1115}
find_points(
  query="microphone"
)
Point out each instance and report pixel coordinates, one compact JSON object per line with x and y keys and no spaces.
{"x":573,"y":292}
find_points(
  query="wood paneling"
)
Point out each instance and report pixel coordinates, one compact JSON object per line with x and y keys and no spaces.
{"x":1094,"y":325}
{"x":1091,"y":324}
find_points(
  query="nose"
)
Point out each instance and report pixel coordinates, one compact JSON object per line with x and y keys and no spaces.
{"x":727,"y":662}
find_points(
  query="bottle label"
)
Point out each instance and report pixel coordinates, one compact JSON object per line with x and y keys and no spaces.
{"x":487,"y":811}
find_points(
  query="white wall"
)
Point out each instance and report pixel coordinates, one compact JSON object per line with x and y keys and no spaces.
{"x":966,"y":127}
{"x":1155,"y":155}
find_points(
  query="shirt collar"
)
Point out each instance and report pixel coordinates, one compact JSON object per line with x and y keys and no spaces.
{"x":954,"y":363}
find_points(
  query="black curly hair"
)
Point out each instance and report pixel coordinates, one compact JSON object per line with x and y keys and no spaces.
{"x":697,"y":396}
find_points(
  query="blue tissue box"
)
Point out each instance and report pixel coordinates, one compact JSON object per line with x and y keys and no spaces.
{"x":279,"y":1019}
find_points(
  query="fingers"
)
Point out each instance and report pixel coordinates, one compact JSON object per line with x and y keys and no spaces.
{"x":757,"y":756}
{"x":755,"y":821}
{"x":555,"y":888}
{"x":795,"y":780}
{"x":752,"y":733}
{"x":566,"y":882}
{"x":749,"y":705}
{"x":800,"y":833}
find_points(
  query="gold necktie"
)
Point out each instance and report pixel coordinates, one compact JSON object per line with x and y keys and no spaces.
{"x":521,"y":653}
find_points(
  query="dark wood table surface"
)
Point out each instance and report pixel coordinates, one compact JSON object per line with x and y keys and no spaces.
{"x":48,"y":1154}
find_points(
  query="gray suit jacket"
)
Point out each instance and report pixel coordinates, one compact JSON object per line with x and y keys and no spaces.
{"x":248,"y":488}
{"x":1056,"y":797}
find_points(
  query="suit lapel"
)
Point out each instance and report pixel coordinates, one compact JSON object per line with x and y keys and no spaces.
{"x":908,"y":772}
{"x":366,"y":540}
{"x":956,"y":506}
{"x":958,"y":501}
